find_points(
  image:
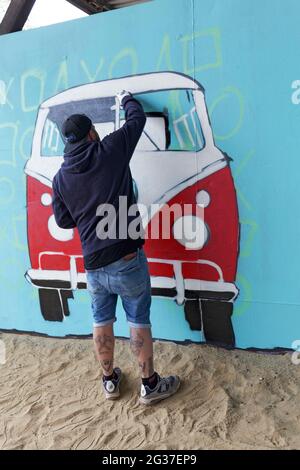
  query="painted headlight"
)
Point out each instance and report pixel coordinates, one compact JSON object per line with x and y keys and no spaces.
{"x":203,"y":198}
{"x":60,"y":234}
{"x":46,"y":199}
{"x":191,"y":232}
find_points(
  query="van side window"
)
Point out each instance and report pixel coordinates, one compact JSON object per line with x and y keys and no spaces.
{"x":52,"y":142}
{"x":156,"y":134}
{"x":178,"y":128}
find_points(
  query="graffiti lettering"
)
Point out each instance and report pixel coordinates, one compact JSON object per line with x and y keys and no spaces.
{"x":4,"y":89}
{"x":7,"y":190}
{"x":211,"y":40}
{"x":36,"y":76}
{"x":62,"y":79}
{"x":165,"y":53}
{"x":26,"y":135}
{"x":227,"y":93}
{"x":9,"y":131}
{"x":92,"y":77}
{"x":128,"y":53}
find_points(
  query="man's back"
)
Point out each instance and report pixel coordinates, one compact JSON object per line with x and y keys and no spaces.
{"x":96,"y":173}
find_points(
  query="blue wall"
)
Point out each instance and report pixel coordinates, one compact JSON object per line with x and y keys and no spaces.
{"x":245,"y":55}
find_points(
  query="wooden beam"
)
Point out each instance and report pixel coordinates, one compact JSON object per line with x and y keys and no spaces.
{"x":16,"y":16}
{"x":91,"y":6}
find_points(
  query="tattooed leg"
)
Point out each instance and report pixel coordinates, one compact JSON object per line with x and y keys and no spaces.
{"x":142,"y":347}
{"x":104,"y":342}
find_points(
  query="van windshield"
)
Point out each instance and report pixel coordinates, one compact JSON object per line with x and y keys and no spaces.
{"x":100,"y":110}
{"x":172,"y":122}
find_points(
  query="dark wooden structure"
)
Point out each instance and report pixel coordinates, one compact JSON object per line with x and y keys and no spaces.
{"x":16,"y":16}
{"x":98,"y":6}
{"x":19,"y":10}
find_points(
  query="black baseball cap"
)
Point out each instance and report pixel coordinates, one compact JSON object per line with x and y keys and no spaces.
{"x":76,"y":127}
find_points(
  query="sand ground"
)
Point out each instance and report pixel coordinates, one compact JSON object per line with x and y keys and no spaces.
{"x":50,"y":398}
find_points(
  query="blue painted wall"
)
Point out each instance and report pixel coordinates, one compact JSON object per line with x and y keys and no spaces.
{"x":245,"y":54}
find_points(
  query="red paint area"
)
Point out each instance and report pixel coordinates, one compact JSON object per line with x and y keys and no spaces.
{"x":221,"y":216}
{"x":39,"y":237}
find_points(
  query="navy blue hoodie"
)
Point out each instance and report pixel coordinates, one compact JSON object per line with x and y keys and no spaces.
{"x":95,"y":173}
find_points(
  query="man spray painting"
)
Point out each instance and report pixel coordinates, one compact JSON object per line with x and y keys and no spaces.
{"x":96,"y":173}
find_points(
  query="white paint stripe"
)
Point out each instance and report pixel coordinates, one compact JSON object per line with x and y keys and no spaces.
{"x":142,"y":83}
{"x":159,"y":282}
{"x":179,"y":282}
{"x":73,"y":273}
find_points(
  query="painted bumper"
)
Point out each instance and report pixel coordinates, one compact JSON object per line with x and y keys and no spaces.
{"x":179,"y":289}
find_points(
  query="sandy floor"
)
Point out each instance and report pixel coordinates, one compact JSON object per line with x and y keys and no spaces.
{"x":50,"y":398}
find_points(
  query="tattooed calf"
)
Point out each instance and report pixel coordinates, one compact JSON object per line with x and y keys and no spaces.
{"x":147,"y":367}
{"x":136,"y":343}
{"x":106,"y":365}
{"x":104,"y":344}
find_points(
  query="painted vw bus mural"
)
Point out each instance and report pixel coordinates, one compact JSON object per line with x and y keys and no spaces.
{"x":175,"y":162}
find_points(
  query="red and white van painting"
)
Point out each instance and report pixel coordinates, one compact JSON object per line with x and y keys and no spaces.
{"x":175,"y":162}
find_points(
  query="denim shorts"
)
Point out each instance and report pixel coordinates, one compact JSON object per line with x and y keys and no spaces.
{"x":128,"y":279}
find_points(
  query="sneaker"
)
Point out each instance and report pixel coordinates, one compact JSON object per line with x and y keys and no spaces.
{"x":112,"y":387}
{"x":166,"y":386}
